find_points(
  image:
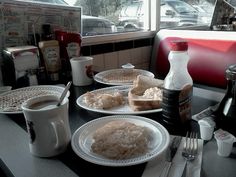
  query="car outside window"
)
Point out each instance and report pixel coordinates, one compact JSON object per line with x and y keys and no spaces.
{"x":95,"y":26}
{"x":182,"y":7}
{"x":177,"y":13}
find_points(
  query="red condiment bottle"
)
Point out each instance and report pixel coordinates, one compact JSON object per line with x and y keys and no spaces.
{"x":70,"y":44}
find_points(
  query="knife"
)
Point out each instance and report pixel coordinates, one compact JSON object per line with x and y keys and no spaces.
{"x":184,"y":174}
{"x":170,"y":153}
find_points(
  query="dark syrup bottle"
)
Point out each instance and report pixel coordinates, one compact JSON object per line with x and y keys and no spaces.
{"x":177,"y":92}
{"x":225,"y":112}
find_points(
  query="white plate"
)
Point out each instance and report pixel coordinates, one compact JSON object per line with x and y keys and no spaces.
{"x":10,"y":102}
{"x":82,"y":140}
{"x":123,"y":109}
{"x":100,"y":77}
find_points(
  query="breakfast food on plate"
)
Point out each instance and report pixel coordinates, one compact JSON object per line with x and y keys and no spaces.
{"x":146,"y":93}
{"x":121,"y":140}
{"x":103,"y":100}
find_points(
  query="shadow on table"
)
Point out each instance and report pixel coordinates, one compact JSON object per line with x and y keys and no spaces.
{"x":4,"y":171}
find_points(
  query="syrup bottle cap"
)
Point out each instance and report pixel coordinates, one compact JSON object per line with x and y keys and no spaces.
{"x":179,"y":45}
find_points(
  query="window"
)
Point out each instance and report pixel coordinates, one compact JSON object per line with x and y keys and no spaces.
{"x":129,"y":15}
{"x":122,"y":16}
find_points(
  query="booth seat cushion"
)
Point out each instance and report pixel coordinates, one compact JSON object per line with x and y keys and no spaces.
{"x":211,"y":52}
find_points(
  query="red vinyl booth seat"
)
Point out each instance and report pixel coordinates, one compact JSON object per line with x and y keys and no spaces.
{"x":211,"y":52}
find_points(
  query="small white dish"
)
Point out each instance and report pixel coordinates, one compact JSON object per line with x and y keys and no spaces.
{"x":207,"y":126}
{"x":225,"y":142}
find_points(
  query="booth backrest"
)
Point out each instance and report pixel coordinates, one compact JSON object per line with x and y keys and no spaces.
{"x":211,"y":52}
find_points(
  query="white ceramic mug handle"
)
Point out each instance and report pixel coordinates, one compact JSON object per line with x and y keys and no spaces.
{"x":60,"y":133}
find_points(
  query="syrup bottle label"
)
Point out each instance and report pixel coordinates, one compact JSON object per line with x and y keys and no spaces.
{"x":176,"y":104}
{"x":185,"y":103}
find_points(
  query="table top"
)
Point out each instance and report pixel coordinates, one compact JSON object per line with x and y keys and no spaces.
{"x":16,"y":160}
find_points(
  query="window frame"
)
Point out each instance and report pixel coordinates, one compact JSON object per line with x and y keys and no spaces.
{"x":108,"y":38}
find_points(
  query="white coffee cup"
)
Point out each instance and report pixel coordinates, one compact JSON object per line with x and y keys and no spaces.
{"x":82,"y":73}
{"x":207,"y":126}
{"x":47,"y":125}
{"x":225,"y":142}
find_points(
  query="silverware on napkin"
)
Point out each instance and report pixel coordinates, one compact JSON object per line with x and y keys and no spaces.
{"x":170,"y":153}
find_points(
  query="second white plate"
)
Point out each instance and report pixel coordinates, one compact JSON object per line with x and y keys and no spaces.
{"x":82,"y":140}
{"x":123,"y":109}
{"x":119,"y":77}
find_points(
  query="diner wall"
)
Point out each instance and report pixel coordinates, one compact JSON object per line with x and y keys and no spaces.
{"x":113,"y":55}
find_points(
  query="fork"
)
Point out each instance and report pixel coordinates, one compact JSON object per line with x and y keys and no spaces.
{"x":190,"y":149}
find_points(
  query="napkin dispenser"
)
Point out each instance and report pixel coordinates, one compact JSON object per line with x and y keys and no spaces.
{"x":20,"y":65}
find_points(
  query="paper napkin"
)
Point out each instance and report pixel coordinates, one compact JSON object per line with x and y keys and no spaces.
{"x":155,"y":167}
